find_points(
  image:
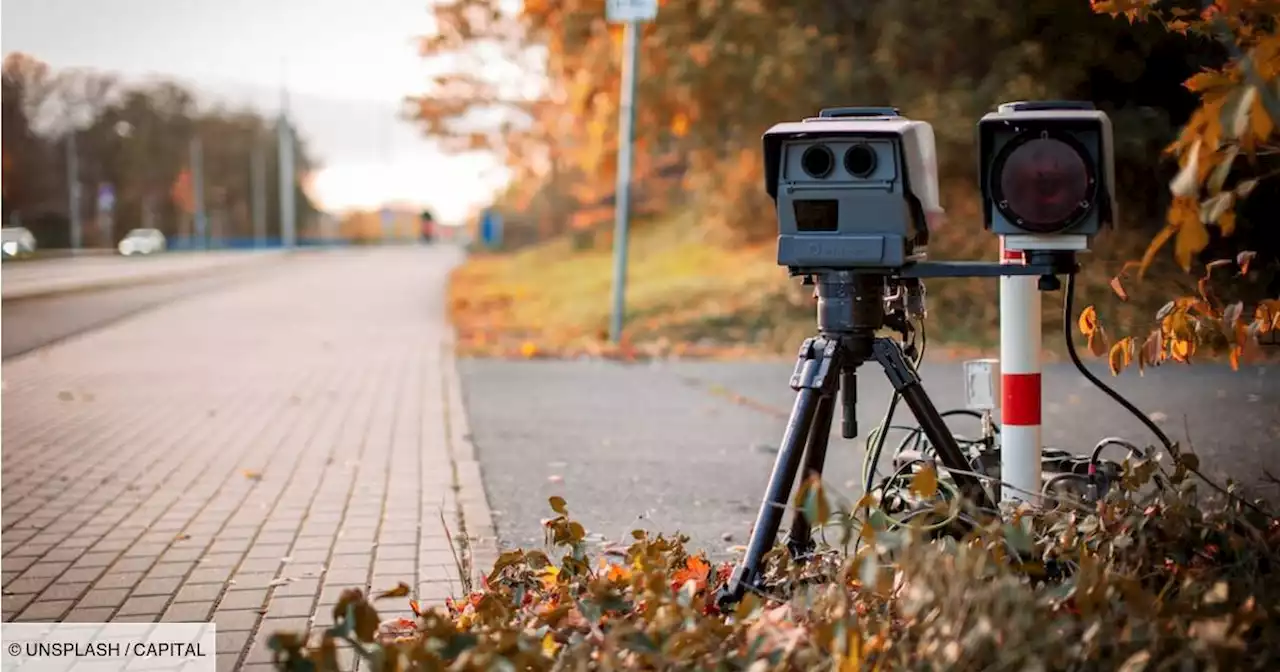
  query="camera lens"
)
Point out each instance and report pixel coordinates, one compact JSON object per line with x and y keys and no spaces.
{"x":860,"y":160}
{"x":817,"y":161}
{"x":1046,"y":183}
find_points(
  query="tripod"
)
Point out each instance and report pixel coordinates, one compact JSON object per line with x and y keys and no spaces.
{"x":851,"y":309}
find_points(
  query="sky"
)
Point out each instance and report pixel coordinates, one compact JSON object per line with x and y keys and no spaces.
{"x":346,"y":65}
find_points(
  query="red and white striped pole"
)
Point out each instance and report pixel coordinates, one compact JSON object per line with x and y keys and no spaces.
{"x":1020,"y":341}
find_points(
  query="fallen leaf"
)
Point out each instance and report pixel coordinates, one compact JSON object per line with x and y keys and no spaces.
{"x":66,"y":396}
{"x":528,"y":350}
{"x":401,"y":590}
{"x":695,"y":569}
{"x":252,"y":475}
{"x":925,"y":482}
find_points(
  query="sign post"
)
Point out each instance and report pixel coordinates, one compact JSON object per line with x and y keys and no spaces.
{"x":106,"y":211}
{"x":387,"y":219}
{"x":632,"y":13}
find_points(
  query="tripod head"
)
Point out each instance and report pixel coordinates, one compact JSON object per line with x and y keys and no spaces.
{"x":853,"y":306}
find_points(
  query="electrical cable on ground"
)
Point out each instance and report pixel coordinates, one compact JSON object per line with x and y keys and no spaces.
{"x":1068,"y":310}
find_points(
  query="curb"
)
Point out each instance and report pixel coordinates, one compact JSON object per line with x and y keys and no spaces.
{"x":473,"y":503}
{"x":119,"y":283}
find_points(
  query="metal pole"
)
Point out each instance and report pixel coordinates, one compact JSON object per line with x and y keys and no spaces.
{"x":1020,"y":386}
{"x":197,"y":189}
{"x":73,"y":191}
{"x":258,"y":173}
{"x":626,"y":121}
{"x":287,"y":223}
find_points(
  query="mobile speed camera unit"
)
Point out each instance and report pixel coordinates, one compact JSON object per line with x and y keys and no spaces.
{"x":855,"y":191}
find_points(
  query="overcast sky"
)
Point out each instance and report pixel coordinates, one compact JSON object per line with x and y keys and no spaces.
{"x":346,"y":64}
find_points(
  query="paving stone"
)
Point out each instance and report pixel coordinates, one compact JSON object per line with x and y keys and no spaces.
{"x":232,"y":451}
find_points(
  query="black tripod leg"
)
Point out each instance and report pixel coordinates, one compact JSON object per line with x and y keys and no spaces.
{"x":799,"y":541}
{"x":907,"y":383}
{"x":765,"y":531}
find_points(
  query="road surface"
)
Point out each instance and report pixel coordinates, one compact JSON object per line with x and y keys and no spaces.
{"x":666,"y":446}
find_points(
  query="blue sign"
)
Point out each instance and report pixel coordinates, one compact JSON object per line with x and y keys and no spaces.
{"x":490,"y":228}
{"x":106,"y":198}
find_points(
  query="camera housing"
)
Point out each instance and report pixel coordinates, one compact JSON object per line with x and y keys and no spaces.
{"x":854,"y":188}
{"x":1047,"y":174}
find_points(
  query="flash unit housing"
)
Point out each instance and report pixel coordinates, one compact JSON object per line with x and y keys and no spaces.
{"x":1046,"y":170}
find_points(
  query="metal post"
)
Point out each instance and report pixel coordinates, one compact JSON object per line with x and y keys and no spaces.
{"x":73,"y":191}
{"x":1020,"y":345}
{"x":626,"y":121}
{"x":258,"y":175}
{"x":197,"y":189}
{"x":287,"y":213}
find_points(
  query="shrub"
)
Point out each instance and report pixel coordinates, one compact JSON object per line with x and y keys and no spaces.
{"x":1153,"y":577}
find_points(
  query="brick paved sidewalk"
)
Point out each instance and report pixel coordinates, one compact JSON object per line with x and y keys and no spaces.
{"x":244,"y":456}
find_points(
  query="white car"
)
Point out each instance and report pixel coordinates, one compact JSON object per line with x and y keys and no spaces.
{"x":17,"y":241}
{"x":142,"y":241}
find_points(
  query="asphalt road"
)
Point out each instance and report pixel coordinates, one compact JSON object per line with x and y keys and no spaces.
{"x":30,"y":323}
{"x":666,"y":447}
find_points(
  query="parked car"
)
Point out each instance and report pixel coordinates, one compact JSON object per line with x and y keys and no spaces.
{"x":142,"y":241}
{"x":17,"y":242}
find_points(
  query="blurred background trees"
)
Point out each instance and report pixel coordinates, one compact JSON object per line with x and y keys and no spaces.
{"x":715,"y":74}
{"x":136,"y":138}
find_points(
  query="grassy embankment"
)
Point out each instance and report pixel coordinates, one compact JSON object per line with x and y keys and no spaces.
{"x":691,"y":297}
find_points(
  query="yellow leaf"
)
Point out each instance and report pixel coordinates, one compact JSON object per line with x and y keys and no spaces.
{"x":1184,"y":184}
{"x":1181,"y":349}
{"x":1088,"y":321}
{"x":680,"y":125}
{"x":528,"y":350}
{"x":1227,"y":222}
{"x":1156,"y":243}
{"x":549,"y":645}
{"x":1260,"y":122}
{"x":1119,"y":357}
{"x":925,"y":482}
{"x":401,"y":590}
{"x":548,"y":577}
{"x":1192,"y":238}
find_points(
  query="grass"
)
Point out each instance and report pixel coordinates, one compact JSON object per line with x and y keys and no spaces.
{"x":683,"y":294}
{"x":689,"y":296}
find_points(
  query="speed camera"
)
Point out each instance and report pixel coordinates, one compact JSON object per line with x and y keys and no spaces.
{"x":1047,"y":174}
{"x":853,"y":188}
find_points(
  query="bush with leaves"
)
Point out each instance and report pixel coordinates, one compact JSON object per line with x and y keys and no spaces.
{"x":1223,"y":151}
{"x":1153,"y":577}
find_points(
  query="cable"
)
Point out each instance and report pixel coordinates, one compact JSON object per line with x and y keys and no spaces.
{"x":1068,"y":311}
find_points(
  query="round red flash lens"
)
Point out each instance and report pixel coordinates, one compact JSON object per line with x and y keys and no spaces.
{"x":1044,"y":182}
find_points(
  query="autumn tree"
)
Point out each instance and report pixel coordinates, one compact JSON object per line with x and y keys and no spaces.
{"x":136,"y":138}
{"x":1224,"y":152}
